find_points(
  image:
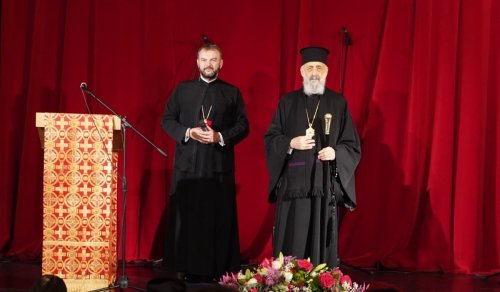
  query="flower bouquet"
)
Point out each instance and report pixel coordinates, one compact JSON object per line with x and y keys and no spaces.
{"x":290,"y":274}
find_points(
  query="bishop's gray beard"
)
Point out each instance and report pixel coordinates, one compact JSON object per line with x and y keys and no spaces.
{"x":318,"y":88}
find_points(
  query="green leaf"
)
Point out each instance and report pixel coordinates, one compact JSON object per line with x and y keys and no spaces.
{"x":319,"y":267}
{"x":248,"y":274}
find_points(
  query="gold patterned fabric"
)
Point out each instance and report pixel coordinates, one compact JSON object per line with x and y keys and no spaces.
{"x":79,"y":200}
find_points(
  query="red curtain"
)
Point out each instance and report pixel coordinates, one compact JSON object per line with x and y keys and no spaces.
{"x":421,"y":82}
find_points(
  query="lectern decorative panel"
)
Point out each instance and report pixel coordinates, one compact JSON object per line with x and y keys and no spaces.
{"x":80,"y":198}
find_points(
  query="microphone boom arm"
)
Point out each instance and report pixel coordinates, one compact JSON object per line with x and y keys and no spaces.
{"x":125,"y":123}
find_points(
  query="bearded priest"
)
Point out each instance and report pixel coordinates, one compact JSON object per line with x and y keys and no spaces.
{"x":312,"y":151}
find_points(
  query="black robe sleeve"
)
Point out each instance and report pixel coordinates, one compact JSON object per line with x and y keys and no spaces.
{"x":277,"y":145}
{"x":170,"y":119}
{"x":347,"y":156}
{"x":239,"y":128}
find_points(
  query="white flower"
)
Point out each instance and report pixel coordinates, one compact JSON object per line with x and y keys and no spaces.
{"x":241,"y":276}
{"x":354,"y":286}
{"x":346,"y":285}
{"x":276,"y":265}
{"x":288,"y":277}
{"x":252,"y":281}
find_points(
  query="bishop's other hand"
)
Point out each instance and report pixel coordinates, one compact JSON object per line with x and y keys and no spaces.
{"x":302,"y":143}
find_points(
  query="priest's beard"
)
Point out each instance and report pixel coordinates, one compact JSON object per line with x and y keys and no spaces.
{"x":311,"y":87}
{"x":209,"y":74}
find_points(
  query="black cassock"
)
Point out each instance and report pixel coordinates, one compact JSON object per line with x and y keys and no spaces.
{"x":306,"y":189}
{"x":202,"y":234}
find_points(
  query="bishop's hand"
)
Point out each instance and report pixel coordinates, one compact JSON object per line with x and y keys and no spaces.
{"x":302,"y":143}
{"x":326,"y":154}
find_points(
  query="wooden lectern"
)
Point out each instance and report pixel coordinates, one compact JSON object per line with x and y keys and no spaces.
{"x":80,"y":197}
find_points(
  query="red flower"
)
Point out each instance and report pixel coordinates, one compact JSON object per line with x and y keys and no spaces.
{"x":337,"y":274}
{"x":267,"y":263}
{"x":209,"y":123}
{"x":253,"y":290}
{"x":259,"y":278}
{"x":346,"y":279}
{"x":304,"y":265}
{"x":326,"y":280}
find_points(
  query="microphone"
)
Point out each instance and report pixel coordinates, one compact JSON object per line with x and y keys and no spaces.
{"x":83,"y":85}
{"x":205,"y":39}
{"x":347,"y":38}
{"x":328,"y":121}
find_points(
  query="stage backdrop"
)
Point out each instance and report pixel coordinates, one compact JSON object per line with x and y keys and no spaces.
{"x":422,"y":82}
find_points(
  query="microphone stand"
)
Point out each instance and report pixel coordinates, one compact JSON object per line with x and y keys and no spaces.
{"x":345,"y":49}
{"x":123,"y":282}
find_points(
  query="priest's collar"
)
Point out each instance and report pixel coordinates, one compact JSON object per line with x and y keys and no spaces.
{"x":207,"y":80}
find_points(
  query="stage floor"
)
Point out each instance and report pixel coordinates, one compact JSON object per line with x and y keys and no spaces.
{"x":19,"y":276}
